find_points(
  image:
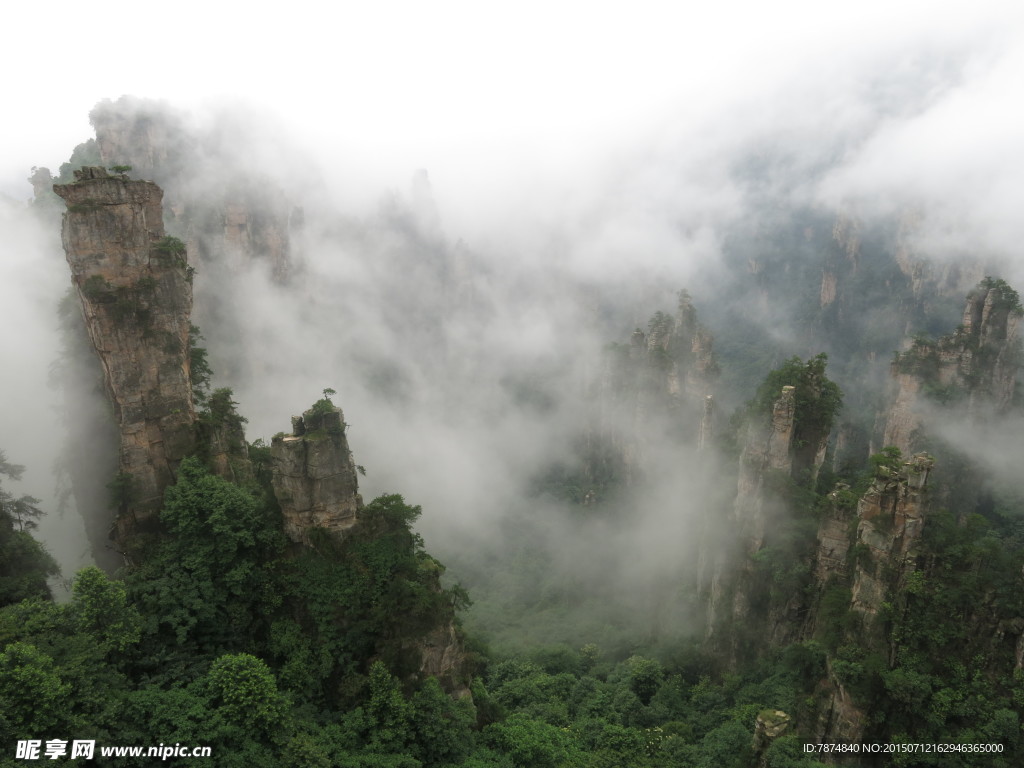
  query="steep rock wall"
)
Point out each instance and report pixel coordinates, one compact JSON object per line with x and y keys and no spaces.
{"x":766,"y":449}
{"x":976,"y":364}
{"x":136,"y":297}
{"x":755,"y":583}
{"x":228,"y":217}
{"x":891,"y":517}
{"x":443,"y":656}
{"x":830,"y":561}
{"x":658,"y":387}
{"x":315,"y":482}
{"x":315,"y":476}
{"x":767,"y":454}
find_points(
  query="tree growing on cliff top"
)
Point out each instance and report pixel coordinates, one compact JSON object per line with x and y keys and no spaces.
{"x":817,"y":398}
{"x":324,"y":404}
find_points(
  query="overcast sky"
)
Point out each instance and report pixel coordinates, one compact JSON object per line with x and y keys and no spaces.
{"x":621,"y":122}
{"x":496,"y":99}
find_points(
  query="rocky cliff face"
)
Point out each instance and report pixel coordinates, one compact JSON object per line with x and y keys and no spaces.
{"x":767,"y":449}
{"x":315,"y":482}
{"x":830,"y":560}
{"x":904,"y":417}
{"x":227,"y":217}
{"x":444,"y":657}
{"x":928,"y":276}
{"x":136,"y":294}
{"x":974,"y":369}
{"x":692,"y":349}
{"x":222,"y":438}
{"x":659,"y":387}
{"x":840,"y":720}
{"x":315,"y":476}
{"x":135,"y":289}
{"x":783,"y":448}
{"x":891,"y":517}
{"x":877,"y":552}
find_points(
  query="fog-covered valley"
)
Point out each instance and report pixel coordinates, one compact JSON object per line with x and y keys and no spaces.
{"x":697,"y":398}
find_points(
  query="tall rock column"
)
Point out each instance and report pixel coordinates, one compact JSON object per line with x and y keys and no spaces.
{"x":315,"y":476}
{"x":891,"y":517}
{"x":136,"y":294}
{"x":766,"y":450}
{"x":315,"y":483}
{"x":656,"y":390}
{"x":783,"y":450}
{"x":976,"y":364}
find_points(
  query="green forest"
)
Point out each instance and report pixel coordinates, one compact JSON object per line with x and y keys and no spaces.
{"x":605,"y":533}
{"x":228,"y":636}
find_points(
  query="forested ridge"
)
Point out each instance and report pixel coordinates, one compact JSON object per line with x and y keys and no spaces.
{"x":224,"y":637}
{"x":718,"y":526}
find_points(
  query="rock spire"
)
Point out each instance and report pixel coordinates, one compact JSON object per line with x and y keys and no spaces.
{"x":136,"y":294}
{"x":314,"y":474}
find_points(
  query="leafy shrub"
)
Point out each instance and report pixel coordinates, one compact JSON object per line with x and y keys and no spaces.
{"x":169,"y":246}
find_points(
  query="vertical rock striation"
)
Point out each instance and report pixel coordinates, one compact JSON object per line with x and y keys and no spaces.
{"x":783,"y":449}
{"x":315,"y":476}
{"x":968,"y":376}
{"x":768,"y":449}
{"x":977,"y":364}
{"x":890,"y":520}
{"x":135,"y":287}
{"x":136,"y":294}
{"x":891,"y":517}
{"x":315,"y":482}
{"x":135,"y":290}
{"x":707,"y":426}
{"x":229,"y":217}
{"x":657,"y":388}
{"x":765,"y":450}
{"x":830,"y":561}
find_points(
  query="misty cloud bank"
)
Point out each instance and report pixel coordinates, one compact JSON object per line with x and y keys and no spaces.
{"x":463,"y":327}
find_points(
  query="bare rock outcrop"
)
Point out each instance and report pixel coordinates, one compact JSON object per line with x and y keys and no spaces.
{"x":222,"y":434}
{"x":443,"y":656}
{"x":905,"y":416}
{"x":707,"y":423}
{"x":228,"y":216}
{"x":315,"y":476}
{"x":767,"y":450}
{"x":778,"y":445}
{"x":136,"y":294}
{"x":314,"y":480}
{"x":660,"y":384}
{"x":840,"y":720}
{"x":769,"y":725}
{"x":976,"y":364}
{"x":783,"y":448}
{"x":891,"y":518}
{"x":830,"y":562}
